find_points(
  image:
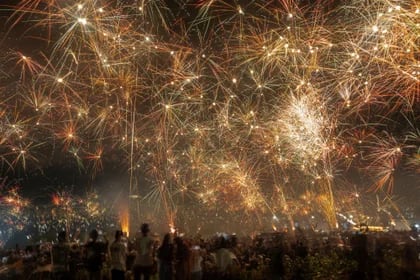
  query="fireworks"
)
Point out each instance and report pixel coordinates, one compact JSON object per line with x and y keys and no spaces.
{"x":12,"y":209}
{"x":220,"y":107}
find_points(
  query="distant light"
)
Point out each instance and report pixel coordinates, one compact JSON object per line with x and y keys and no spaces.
{"x":83,"y":21}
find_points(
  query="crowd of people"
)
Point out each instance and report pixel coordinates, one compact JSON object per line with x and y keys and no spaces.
{"x":279,"y":255}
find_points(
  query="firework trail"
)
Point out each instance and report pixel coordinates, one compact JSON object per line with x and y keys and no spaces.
{"x":216,"y":104}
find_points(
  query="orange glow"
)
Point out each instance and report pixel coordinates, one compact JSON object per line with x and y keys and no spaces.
{"x":124,"y":220}
{"x":55,"y":199}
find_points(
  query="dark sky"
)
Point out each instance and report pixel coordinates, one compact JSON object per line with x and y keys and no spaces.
{"x":59,"y":172}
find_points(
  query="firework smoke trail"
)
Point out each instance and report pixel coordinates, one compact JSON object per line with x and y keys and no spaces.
{"x":218,"y":107}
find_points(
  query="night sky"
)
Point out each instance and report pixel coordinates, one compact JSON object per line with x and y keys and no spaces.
{"x":241,"y":109}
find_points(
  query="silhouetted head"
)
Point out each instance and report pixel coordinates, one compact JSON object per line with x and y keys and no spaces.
{"x":145,"y":229}
{"x":167,"y":239}
{"x":94,"y":234}
{"x":62,"y":236}
{"x":223,"y":243}
{"x":118,"y":234}
{"x":178,"y":241}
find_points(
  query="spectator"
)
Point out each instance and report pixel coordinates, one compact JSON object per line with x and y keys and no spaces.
{"x":166,"y":258}
{"x":182,"y":260}
{"x":145,"y":252}
{"x":118,"y":252}
{"x":60,"y":256}
{"x":226,"y":261}
{"x":95,"y":255}
{"x":196,"y":263}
